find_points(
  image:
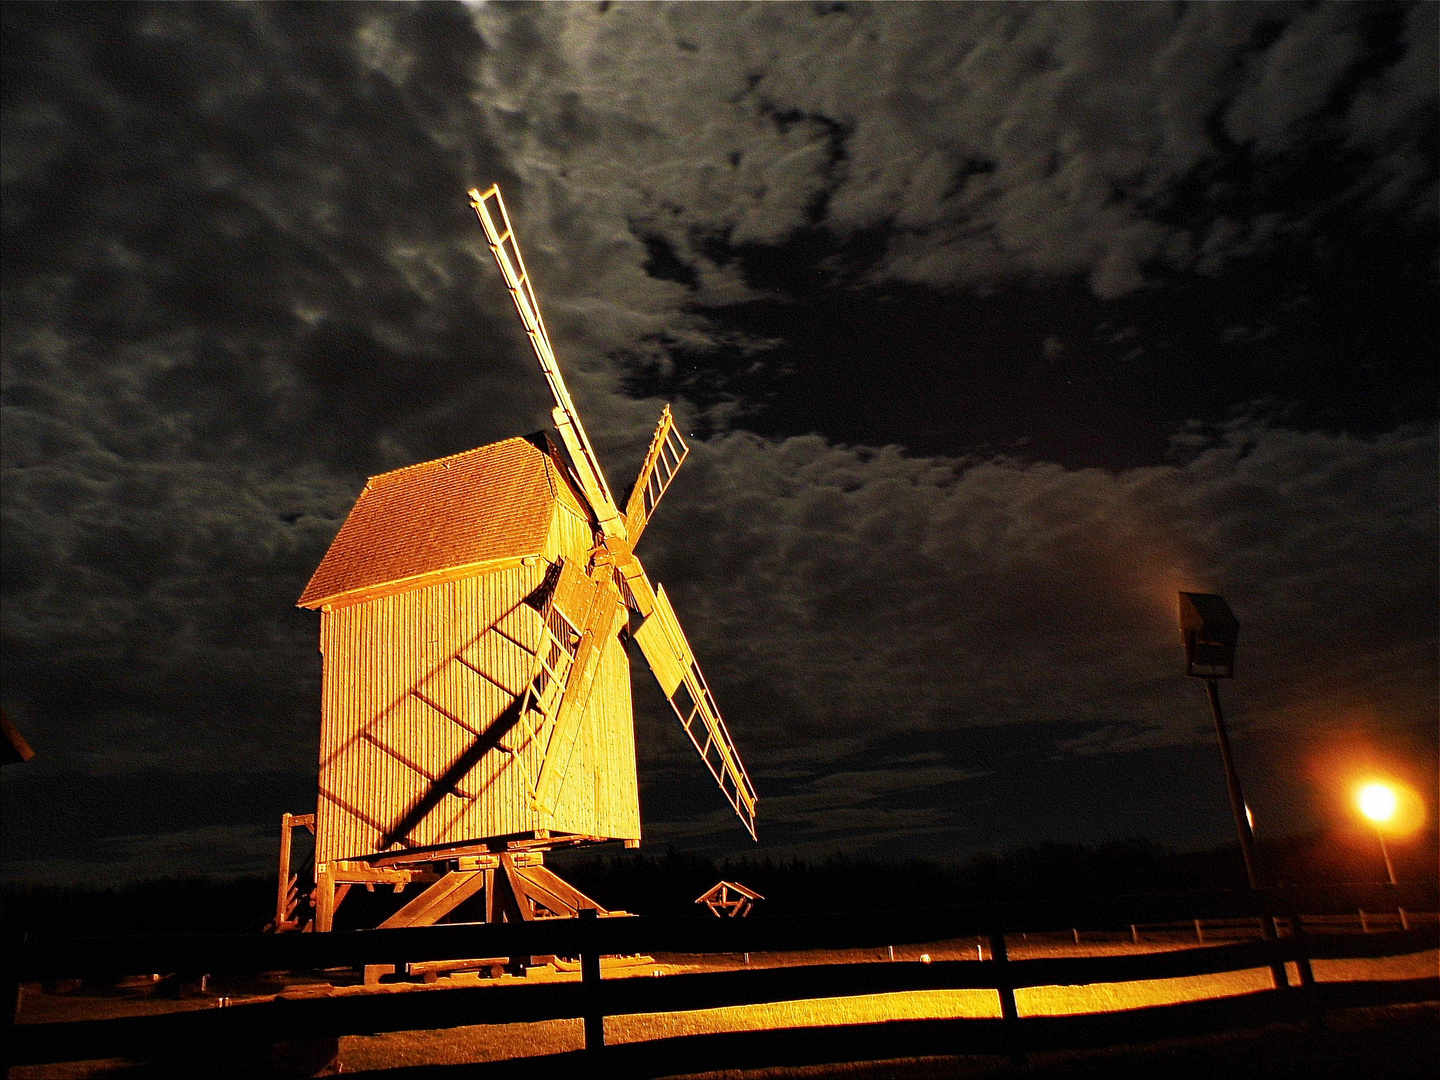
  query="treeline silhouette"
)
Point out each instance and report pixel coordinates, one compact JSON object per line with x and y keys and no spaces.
{"x":668,"y":884}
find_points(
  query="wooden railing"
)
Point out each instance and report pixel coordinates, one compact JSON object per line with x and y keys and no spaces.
{"x":593,"y":998}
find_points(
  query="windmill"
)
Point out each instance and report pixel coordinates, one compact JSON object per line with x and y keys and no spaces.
{"x":476,"y":706}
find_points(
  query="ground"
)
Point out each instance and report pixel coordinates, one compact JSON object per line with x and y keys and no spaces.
{"x":1393,"y":1042}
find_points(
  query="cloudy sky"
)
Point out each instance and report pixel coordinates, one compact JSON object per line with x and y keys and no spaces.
{"x":994,"y":325}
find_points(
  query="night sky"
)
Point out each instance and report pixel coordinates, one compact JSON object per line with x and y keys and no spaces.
{"x":994,"y":325}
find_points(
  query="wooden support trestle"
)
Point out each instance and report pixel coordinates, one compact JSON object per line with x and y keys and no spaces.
{"x":517,"y":888}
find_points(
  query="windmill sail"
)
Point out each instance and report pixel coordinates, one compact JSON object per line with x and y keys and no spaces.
{"x":501,"y":236}
{"x":671,"y":659}
{"x":601,"y":623}
{"x":662,"y":462}
{"x":616,"y":581}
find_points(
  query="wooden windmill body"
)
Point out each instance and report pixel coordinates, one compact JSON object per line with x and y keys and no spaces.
{"x":476,"y":709}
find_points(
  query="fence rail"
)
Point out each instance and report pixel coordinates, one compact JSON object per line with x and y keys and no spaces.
{"x":593,"y":998}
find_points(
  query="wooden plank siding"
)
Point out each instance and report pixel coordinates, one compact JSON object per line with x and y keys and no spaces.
{"x":414,"y":677}
{"x":403,"y":699}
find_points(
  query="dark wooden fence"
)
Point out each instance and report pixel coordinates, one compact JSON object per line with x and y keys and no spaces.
{"x":176,"y":1035}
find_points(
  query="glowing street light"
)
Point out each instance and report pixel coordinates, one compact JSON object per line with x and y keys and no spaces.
{"x":1378,"y":802}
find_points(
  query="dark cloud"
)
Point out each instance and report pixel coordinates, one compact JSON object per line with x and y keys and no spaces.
{"x":240,"y":275}
{"x":994,"y":140}
{"x":885,"y":592}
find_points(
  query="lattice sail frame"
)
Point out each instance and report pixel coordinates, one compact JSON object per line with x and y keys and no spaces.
{"x":659,"y":635}
{"x":544,"y":689}
{"x":673,"y":663}
{"x":667,"y":452}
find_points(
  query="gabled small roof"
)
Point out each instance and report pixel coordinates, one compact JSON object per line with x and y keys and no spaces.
{"x":716,"y":891}
{"x":425,"y":520}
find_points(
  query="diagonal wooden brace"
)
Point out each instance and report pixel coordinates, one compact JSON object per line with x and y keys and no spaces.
{"x":438,"y":900}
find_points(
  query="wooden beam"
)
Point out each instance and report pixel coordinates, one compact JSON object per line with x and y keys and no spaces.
{"x":441,"y":898}
{"x":427,"y":969}
{"x":324,"y":900}
{"x":364,"y":874}
{"x":572,"y":897}
{"x":282,"y":897}
{"x":516,"y":843}
{"x":516,"y":890}
{"x":538,"y":894}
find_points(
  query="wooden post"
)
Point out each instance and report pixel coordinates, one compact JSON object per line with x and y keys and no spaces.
{"x":1241,"y":814}
{"x":324,"y":899}
{"x":1009,"y":1014}
{"x":1268,"y":932}
{"x":1307,"y":975}
{"x":1232,"y":783}
{"x":1199,"y":933}
{"x":1302,"y":952}
{"x":11,"y":991}
{"x":282,"y":899}
{"x":590,"y":979}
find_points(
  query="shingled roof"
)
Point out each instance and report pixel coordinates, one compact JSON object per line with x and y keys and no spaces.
{"x":442,"y":516}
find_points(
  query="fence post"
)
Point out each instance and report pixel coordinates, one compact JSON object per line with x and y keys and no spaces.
{"x":1313,"y":1004}
{"x":1271,"y":933}
{"x":1009,"y":1014}
{"x":1302,"y":951}
{"x":590,"y":981}
{"x":10,"y":984}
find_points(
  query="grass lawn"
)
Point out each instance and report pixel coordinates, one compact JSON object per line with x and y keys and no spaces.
{"x":1389,"y":1043}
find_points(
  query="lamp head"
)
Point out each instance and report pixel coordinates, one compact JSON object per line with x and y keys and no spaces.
{"x":1209,"y":630}
{"x":1378,"y":802}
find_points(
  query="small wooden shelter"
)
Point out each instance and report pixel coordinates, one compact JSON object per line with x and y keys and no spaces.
{"x":475,"y":613}
{"x":729,"y":898}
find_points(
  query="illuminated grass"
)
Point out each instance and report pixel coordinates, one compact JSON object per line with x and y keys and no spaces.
{"x":495,"y":1042}
{"x":821,"y":1012}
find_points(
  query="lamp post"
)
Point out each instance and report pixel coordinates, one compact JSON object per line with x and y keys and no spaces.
{"x":1209,"y":629}
{"x":1378,"y":803}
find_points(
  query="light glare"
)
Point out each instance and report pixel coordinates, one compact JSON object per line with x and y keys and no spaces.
{"x":1378,"y":802}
